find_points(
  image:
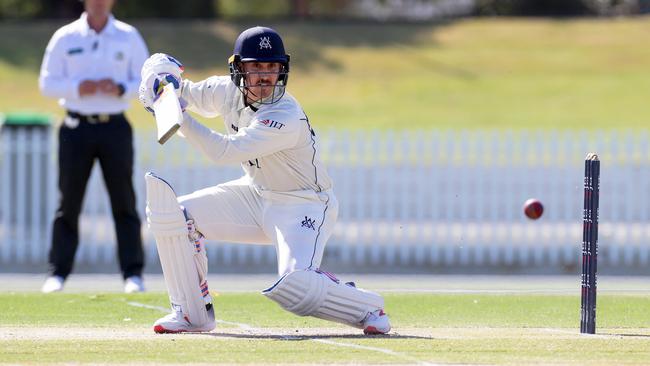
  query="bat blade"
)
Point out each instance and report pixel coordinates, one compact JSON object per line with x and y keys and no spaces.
{"x":169,"y":115}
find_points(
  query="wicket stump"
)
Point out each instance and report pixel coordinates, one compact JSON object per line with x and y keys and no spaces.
{"x":590,"y":244}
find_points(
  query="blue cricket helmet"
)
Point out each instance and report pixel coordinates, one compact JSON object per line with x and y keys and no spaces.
{"x":259,"y":44}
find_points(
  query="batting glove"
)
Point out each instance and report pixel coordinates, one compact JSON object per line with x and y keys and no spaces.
{"x":159,"y":70}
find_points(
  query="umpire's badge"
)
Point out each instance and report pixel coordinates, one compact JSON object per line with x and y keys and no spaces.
{"x":265,"y":43}
{"x":70,"y":122}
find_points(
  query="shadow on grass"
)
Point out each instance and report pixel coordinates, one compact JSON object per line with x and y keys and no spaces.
{"x":286,"y":337}
{"x":630,"y":335}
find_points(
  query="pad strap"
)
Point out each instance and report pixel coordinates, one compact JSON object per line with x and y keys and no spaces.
{"x":184,"y":264}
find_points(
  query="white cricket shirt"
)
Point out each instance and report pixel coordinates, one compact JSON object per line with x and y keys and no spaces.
{"x":275,"y":144}
{"x":76,"y":53}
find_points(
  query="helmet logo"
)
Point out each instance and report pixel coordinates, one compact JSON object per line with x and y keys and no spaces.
{"x":265,"y":43}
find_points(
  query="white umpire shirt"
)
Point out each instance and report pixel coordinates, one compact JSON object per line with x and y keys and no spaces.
{"x":76,"y":53}
{"x":275,"y":143}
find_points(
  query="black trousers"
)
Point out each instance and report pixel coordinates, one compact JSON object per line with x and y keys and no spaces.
{"x":111,"y":143}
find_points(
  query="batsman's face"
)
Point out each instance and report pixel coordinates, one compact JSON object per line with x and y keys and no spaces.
{"x":98,"y":7}
{"x":261,"y":78}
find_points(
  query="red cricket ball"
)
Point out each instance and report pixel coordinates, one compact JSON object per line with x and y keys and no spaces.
{"x":533,"y":209}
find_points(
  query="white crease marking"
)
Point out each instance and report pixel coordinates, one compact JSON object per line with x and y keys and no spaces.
{"x":540,"y":291}
{"x":248,"y":327}
{"x":140,"y":305}
{"x":376,"y":349}
{"x":167,"y":310}
{"x":578,"y":334}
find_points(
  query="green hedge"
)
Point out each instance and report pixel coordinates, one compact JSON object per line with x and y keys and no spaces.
{"x":166,"y":9}
{"x":533,"y":7}
{"x":232,"y":9}
{"x":28,"y":9}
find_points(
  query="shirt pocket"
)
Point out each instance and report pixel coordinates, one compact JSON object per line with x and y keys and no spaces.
{"x":76,"y":62}
{"x":119,"y":60}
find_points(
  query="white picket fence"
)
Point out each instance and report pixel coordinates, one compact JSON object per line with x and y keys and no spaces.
{"x":414,"y":201}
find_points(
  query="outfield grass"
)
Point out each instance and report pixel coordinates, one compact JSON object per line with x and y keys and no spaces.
{"x":475,"y":73}
{"x":428,"y":328}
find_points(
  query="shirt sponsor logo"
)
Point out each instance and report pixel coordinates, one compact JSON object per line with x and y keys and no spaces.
{"x":255,"y":163}
{"x":272,"y":123}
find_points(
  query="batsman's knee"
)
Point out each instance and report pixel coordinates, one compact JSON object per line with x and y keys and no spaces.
{"x":315,"y":293}
{"x":164,"y":215}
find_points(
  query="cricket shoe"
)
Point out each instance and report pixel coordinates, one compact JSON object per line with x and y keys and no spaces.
{"x":176,"y":322}
{"x":376,"y":322}
{"x":133,"y":284}
{"x":52,"y":284}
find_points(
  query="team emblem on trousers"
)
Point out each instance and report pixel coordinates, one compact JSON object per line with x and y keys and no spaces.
{"x":308,"y":223}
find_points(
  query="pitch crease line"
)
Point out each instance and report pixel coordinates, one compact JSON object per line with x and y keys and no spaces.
{"x":166,"y":310}
{"x":332,"y":343}
{"x":376,"y":349}
{"x":577,"y":334}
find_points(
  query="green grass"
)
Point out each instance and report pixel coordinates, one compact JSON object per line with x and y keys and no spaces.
{"x":460,"y":328}
{"x":475,"y":73}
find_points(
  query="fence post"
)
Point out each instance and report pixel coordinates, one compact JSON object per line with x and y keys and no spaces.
{"x":23,"y":210}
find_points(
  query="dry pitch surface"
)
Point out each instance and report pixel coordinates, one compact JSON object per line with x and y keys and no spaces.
{"x":437,"y":320}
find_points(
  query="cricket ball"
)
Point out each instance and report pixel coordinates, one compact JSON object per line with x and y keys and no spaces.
{"x":533,"y":209}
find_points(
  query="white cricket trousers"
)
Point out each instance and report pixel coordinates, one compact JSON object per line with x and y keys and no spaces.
{"x":299,"y":223}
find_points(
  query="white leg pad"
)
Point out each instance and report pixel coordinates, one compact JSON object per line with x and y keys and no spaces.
{"x":184,"y":267}
{"x":308,"y":292}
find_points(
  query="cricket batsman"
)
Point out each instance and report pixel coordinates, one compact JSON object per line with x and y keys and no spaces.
{"x":285,"y":197}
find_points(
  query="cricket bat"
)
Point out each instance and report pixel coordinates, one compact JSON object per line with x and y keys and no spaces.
{"x":169,"y":115}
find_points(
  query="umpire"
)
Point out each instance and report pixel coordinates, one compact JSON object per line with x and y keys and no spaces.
{"x":92,"y":66}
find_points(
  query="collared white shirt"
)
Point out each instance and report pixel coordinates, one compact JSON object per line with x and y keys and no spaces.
{"x":275,"y":144}
{"x":76,"y":53}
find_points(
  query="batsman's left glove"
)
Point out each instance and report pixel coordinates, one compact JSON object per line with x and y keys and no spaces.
{"x":159,"y":70}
